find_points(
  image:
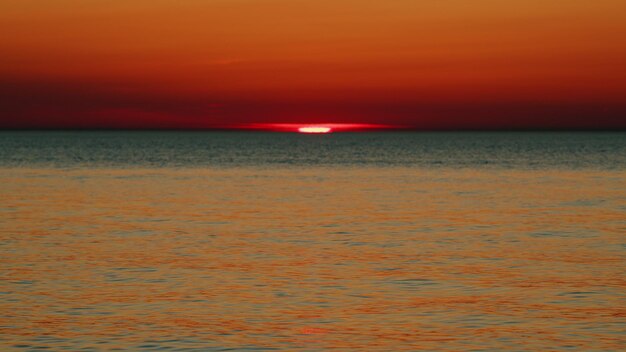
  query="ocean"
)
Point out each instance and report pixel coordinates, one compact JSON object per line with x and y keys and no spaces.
{"x":250,"y":241}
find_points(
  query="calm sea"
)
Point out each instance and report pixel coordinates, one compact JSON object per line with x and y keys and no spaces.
{"x":206,"y":241}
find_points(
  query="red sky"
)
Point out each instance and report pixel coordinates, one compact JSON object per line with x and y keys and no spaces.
{"x":429,"y":64}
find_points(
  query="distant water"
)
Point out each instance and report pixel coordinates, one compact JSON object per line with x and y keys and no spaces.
{"x":180,"y":241}
{"x":212,"y":149}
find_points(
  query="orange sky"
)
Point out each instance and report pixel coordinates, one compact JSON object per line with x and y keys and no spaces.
{"x":204,"y":63}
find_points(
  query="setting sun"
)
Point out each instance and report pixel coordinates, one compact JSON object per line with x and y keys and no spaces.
{"x":315,"y":129}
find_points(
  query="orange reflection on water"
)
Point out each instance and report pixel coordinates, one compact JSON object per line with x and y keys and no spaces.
{"x":314,"y":258}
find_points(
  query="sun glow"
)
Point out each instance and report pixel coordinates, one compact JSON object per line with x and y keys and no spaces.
{"x":327,"y":127}
{"x":314,"y":129}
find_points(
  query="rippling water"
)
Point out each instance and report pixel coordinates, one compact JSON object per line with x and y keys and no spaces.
{"x":255,"y":241}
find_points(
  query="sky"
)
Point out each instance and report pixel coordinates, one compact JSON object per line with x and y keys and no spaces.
{"x":423,"y":64}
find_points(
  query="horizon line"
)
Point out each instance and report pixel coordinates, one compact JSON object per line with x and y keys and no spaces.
{"x":224,"y":129}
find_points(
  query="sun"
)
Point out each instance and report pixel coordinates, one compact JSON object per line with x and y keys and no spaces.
{"x":315,"y":129}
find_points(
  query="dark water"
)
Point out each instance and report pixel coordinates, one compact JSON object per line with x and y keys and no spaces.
{"x":172,"y":241}
{"x":205,"y":149}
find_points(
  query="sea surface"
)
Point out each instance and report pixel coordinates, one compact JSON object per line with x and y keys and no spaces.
{"x":228,"y":241}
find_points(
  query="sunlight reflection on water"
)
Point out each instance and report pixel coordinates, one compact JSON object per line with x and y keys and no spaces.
{"x":313,"y":257}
